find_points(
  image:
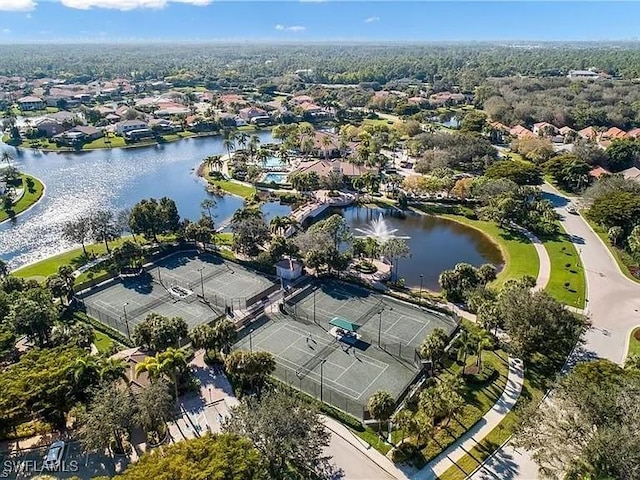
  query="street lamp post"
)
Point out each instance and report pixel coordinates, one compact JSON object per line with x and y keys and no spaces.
{"x":126,"y":319}
{"x":321,"y":379}
{"x":421,"y":279}
{"x":201,"y":281}
{"x":314,"y":306}
{"x":379,"y":325}
{"x":251,"y":340}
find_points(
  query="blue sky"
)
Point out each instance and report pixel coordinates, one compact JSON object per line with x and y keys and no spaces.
{"x":37,"y":21}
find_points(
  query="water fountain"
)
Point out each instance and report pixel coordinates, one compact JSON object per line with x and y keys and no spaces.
{"x":379,"y":230}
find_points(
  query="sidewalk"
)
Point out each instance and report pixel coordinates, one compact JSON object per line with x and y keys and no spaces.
{"x":475,"y":435}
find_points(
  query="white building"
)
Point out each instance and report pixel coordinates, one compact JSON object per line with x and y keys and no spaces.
{"x":129,"y":125}
{"x":583,"y":74}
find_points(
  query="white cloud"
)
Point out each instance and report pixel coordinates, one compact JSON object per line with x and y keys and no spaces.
{"x":371,"y":19}
{"x":293,"y":28}
{"x":6,"y":31}
{"x":127,"y":4}
{"x":17,"y":5}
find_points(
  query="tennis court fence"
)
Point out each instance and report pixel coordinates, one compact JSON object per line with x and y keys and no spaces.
{"x":114,"y":321}
{"x":329,"y":395}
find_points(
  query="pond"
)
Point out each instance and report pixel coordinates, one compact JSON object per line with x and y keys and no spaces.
{"x":76,"y":183}
{"x":436,"y":244}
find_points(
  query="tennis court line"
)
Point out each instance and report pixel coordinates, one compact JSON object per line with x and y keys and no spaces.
{"x":373,"y":381}
{"x":425,"y":325}
{"x":340,"y":388}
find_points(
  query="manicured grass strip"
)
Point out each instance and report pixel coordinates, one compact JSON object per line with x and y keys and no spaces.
{"x":116,"y":142}
{"x":537,"y":380}
{"x":234,"y":188}
{"x":29,"y":197}
{"x":519,"y":254}
{"x":478,"y":398}
{"x":102,"y":342}
{"x":634,"y":343}
{"x":566,"y":267}
{"x":622,"y":258}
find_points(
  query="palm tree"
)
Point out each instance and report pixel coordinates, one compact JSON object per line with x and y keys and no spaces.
{"x":466,"y":345}
{"x":243,"y":139}
{"x":484,"y":342}
{"x":326,"y":141}
{"x":207,"y":204}
{"x":262,"y":155}
{"x":254,"y":141}
{"x":278,"y":224}
{"x":634,"y":241}
{"x":228,"y":145}
{"x":167,"y":363}
{"x":433,"y":346}
{"x":83,"y":369}
{"x":7,"y":158}
{"x":111,"y":369}
{"x":381,"y":406}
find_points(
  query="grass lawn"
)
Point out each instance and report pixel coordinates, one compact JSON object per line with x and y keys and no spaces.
{"x":234,"y":188}
{"x":634,"y":342}
{"x":224,"y":238}
{"x":519,"y":254}
{"x":42,"y":269}
{"x":562,"y":253}
{"x":622,"y":258}
{"x":102,"y":342}
{"x":377,"y":121}
{"x":29,"y":197}
{"x":100,"y":143}
{"x":539,"y":375}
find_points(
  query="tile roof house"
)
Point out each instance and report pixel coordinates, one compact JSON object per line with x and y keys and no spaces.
{"x":324,"y":167}
{"x":521,"y":132}
{"x":566,"y":130}
{"x":634,"y":133}
{"x":128,"y":125}
{"x":632,"y":173}
{"x":251,"y":112}
{"x":613,"y":133}
{"x":132,"y":357}
{"x":544,"y":128}
{"x":589,"y":133}
{"x":30,"y":103}
{"x":598,"y":172}
{"x":49,"y":127}
{"x":300,"y":99}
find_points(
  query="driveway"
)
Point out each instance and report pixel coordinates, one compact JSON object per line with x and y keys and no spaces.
{"x":613,"y":305}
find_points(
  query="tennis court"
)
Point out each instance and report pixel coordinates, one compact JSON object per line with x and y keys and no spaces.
{"x":125,"y":303}
{"x":305,"y":350}
{"x":398,"y":323}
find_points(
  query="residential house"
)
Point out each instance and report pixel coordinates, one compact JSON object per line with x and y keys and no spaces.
{"x":131,"y":357}
{"x":520,"y":132}
{"x":229,"y":100}
{"x":598,"y":172}
{"x":544,"y":129}
{"x":130,"y":125}
{"x":162,"y":125}
{"x":564,"y":131}
{"x":49,"y":127}
{"x":324,"y":167}
{"x":78,"y":135}
{"x":634,"y":133}
{"x":249,"y":113}
{"x":446,"y":98}
{"x":112,"y":118}
{"x":300,"y":99}
{"x":174,"y":110}
{"x":288,"y":269}
{"x":632,"y":173}
{"x":589,"y":133}
{"x":417,"y":101}
{"x":62,"y":116}
{"x":613,"y":133}
{"x":30,"y":103}
{"x":583,"y":75}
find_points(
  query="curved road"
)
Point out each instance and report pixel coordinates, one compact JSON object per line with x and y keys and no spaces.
{"x":613,"y":306}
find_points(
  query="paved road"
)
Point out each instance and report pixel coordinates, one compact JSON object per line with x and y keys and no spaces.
{"x":613,"y":305}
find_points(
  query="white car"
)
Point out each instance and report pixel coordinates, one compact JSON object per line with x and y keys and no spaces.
{"x":53,"y":458}
{"x":571,"y":208}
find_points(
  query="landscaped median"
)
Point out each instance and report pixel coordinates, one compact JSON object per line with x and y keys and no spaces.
{"x":567,"y":279}
{"x":634,"y":342}
{"x":33,"y":191}
{"x":623,"y":259}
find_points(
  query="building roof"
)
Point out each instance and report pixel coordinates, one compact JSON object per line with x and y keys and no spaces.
{"x":588,"y":132}
{"x":131,"y":123}
{"x":520,"y":131}
{"x":614,"y":132}
{"x":131,"y":358}
{"x":324,"y":168}
{"x":87,"y":130}
{"x":310,"y":107}
{"x":634,"y":133}
{"x":632,"y":173}
{"x":29,"y":99}
{"x":598,"y":172}
{"x":345,"y":324}
{"x":288,"y":264}
{"x":302,"y":99}
{"x":565,"y":130}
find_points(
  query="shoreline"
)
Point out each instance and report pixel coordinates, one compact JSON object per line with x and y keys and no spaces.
{"x":44,"y":189}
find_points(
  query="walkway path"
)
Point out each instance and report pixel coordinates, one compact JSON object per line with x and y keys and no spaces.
{"x":613,"y":307}
{"x":481,"y":429}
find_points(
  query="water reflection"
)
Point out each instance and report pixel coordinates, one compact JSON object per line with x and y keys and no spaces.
{"x":436,"y":244}
{"x":77,"y":183}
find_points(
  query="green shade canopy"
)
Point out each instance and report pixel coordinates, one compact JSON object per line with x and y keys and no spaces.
{"x":344,"y":324}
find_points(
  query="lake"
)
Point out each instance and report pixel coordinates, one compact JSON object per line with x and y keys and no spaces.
{"x":76,"y":183}
{"x":436,"y":244}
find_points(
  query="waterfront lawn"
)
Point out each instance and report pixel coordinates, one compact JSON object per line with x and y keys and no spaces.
{"x":634,"y":342}
{"x":623,"y":259}
{"x":30,"y":196}
{"x":116,"y":142}
{"x":42,"y":269}
{"x":519,"y":254}
{"x":224,"y":239}
{"x":102,"y":342}
{"x":567,"y":282}
{"x":234,"y":188}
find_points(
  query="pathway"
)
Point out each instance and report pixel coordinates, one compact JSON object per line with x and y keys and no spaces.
{"x":481,"y":429}
{"x":612,"y":305}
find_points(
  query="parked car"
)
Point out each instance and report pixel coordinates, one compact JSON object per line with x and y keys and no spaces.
{"x":53,"y":458}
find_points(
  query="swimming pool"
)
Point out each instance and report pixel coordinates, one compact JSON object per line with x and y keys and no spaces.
{"x":273,"y":162}
{"x":274,"y":177}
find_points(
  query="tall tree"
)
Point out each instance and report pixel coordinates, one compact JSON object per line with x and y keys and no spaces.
{"x":33,"y":319}
{"x":77,"y":231}
{"x":288,"y":432}
{"x":158,"y":333}
{"x":167,"y":363}
{"x":433,"y":346}
{"x":251,"y":369}
{"x":104,"y":227}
